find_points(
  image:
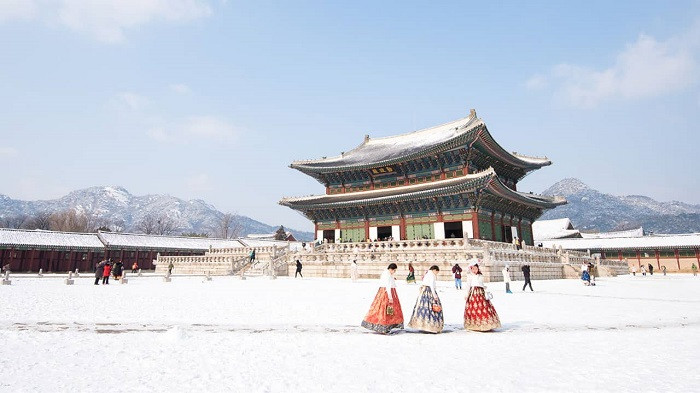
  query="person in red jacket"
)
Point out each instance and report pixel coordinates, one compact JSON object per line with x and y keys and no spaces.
{"x":105,"y":274}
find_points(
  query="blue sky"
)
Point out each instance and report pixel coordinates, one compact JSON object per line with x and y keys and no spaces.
{"x":213,"y":99}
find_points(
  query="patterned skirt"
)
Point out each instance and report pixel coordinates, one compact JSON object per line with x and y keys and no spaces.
{"x":377,"y":318}
{"x":479,"y":313}
{"x":424,"y":318}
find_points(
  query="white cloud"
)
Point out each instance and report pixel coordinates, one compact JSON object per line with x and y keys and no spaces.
{"x":8,"y":152}
{"x":536,"y":82}
{"x":198,"y":182}
{"x":193,"y":129}
{"x":16,"y":9}
{"x":646,"y":68}
{"x":131,"y":100}
{"x":209,"y":127}
{"x":180,"y":88}
{"x":105,"y":20}
{"x":158,"y":134}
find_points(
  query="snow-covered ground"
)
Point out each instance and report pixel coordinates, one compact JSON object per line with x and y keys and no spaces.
{"x":286,"y":335}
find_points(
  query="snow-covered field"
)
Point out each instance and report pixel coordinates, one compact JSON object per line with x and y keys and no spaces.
{"x":286,"y":335}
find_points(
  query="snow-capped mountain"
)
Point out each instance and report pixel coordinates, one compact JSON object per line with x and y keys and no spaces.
{"x":592,"y":210}
{"x":116,"y":207}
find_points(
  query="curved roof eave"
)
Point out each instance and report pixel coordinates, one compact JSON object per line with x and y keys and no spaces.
{"x":469,"y":126}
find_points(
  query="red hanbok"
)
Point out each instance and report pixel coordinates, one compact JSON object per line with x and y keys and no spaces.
{"x":479,"y":313}
{"x":384,"y":316}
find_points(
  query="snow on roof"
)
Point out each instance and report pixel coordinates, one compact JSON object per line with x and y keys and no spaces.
{"x":628,"y":233}
{"x":553,"y":229}
{"x":389,"y":149}
{"x":158,"y":242}
{"x":41,"y":238}
{"x":691,"y":240}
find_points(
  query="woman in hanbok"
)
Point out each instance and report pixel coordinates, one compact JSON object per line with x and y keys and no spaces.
{"x":479,"y":313}
{"x":411,"y":278}
{"x":427,"y":313}
{"x":385,"y":312}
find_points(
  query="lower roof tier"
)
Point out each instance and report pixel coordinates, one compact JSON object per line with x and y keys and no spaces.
{"x":474,"y":191}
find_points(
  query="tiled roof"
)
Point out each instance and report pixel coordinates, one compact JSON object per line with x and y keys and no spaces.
{"x":392,"y":149}
{"x":39,"y":238}
{"x":113,"y":239}
{"x":441,"y":187}
{"x":691,"y":240}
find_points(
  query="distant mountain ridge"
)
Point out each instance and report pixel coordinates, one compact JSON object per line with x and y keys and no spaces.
{"x":116,"y":205}
{"x":592,"y":210}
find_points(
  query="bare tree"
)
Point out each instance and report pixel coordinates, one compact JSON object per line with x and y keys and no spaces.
{"x":41,"y":220}
{"x":165,"y":225}
{"x":14,"y":222}
{"x":152,"y":224}
{"x":229,"y":226}
{"x":70,"y":221}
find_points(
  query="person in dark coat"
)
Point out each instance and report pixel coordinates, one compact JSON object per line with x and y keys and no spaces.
{"x":117,"y":270}
{"x":298,"y":269}
{"x":99,"y":270}
{"x":526,"y":274}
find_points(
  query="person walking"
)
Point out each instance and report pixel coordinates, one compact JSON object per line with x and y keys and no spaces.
{"x":385,"y":312}
{"x":506,"y":277}
{"x":298,"y":270}
{"x":411,"y":278}
{"x":99,"y":271}
{"x":427,"y":313}
{"x":457,"y":271}
{"x":353,"y":270}
{"x":251,"y":256}
{"x":105,"y":273}
{"x":526,"y":275}
{"x":479,"y":313}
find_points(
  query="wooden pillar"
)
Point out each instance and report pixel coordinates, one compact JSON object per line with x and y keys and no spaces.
{"x":658,"y":263}
{"x":475,"y":225}
{"x":31,"y":261}
{"x":12,"y":258}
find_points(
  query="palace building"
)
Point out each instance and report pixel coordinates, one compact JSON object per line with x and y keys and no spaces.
{"x":449,"y":181}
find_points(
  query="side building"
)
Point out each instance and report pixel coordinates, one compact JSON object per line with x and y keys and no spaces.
{"x":449,"y":181}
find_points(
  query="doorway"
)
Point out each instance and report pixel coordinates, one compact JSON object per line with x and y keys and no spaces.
{"x":383,"y":233}
{"x":453,"y":230}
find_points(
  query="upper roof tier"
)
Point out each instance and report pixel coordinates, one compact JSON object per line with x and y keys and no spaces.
{"x":485,"y":180}
{"x":374,"y":152}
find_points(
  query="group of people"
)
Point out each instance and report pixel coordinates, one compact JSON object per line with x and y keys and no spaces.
{"x":106,"y":267}
{"x":385,"y":313}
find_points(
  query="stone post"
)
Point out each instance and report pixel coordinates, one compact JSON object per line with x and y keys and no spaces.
{"x":6,"y":279}
{"x":69,"y":280}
